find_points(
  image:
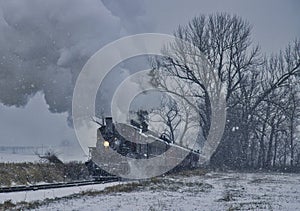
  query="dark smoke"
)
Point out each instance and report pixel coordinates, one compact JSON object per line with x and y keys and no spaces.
{"x":44,"y":45}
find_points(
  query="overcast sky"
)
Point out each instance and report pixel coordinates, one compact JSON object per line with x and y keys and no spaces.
{"x":44,"y":44}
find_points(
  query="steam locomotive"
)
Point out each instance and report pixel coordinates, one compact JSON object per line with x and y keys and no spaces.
{"x":129,"y":140}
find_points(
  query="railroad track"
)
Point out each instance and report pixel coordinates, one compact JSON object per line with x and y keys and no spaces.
{"x":101,"y":180}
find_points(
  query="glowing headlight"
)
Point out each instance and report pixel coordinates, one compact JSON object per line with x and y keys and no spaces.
{"x":106,"y":144}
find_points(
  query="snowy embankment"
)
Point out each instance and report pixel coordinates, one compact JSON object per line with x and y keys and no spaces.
{"x":213,"y":191}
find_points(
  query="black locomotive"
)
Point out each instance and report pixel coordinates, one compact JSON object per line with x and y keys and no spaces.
{"x":112,"y":136}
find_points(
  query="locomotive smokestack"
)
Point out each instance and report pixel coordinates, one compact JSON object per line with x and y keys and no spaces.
{"x":109,"y":125}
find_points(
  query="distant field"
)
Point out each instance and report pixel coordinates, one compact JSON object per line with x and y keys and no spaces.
{"x":27,"y":154}
{"x":17,"y":158}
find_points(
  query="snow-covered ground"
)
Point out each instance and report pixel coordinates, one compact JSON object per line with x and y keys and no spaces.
{"x":31,"y":196}
{"x":213,"y":191}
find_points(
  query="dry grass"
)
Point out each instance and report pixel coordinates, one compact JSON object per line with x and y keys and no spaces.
{"x":32,"y":173}
{"x":193,"y":172}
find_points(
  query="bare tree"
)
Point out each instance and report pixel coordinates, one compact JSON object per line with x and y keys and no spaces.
{"x":50,"y":156}
{"x":168,"y":115}
{"x":253,"y":85}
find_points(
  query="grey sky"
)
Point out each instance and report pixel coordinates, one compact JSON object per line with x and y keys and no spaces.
{"x":44,"y":44}
{"x":275,"y":22}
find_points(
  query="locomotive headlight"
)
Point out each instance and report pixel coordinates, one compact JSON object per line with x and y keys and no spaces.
{"x":106,"y":144}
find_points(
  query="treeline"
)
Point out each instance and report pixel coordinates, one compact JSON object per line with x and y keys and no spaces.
{"x":262,"y":92}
